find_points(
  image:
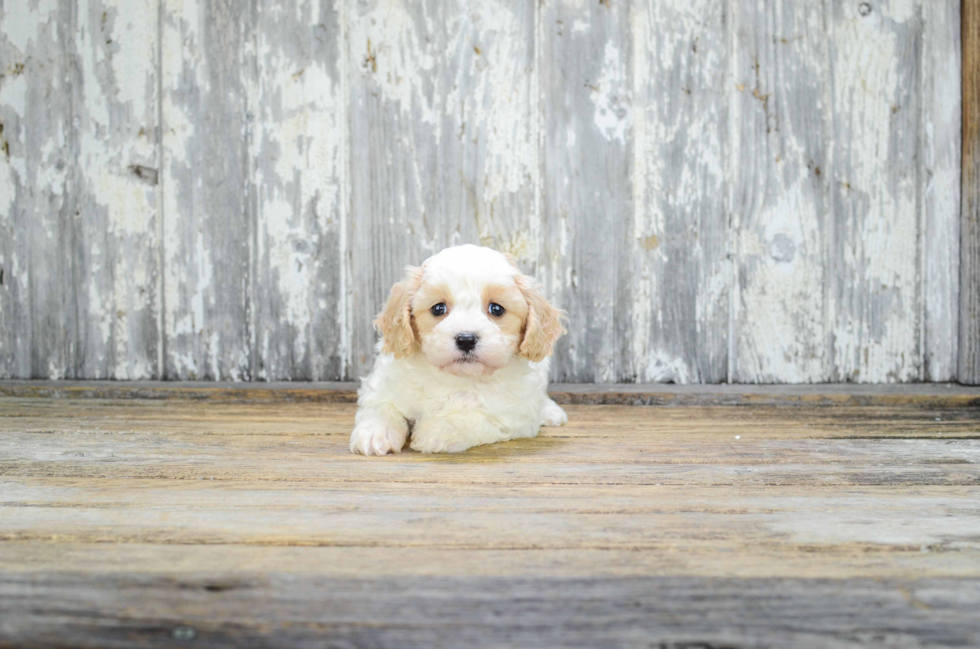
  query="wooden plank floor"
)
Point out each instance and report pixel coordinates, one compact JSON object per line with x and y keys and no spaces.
{"x":233,"y":523}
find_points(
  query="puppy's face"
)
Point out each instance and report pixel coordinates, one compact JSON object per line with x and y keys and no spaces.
{"x":469,"y":311}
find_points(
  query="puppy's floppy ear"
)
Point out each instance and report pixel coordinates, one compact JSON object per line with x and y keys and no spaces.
{"x":543,"y":326}
{"x":395,"y":320}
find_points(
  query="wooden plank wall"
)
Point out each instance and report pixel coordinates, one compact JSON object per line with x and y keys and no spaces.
{"x":745,"y":191}
{"x":969,"y":315}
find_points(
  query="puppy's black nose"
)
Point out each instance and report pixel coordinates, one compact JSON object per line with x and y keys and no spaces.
{"x":466,"y":342}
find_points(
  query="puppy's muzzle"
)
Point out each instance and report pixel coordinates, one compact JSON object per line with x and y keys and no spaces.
{"x":466,"y":342}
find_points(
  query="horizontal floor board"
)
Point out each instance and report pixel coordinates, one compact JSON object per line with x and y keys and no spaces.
{"x":561,"y":517}
{"x":704,"y":557}
{"x":231,"y":610}
{"x":307,"y":443}
{"x":248,"y":521}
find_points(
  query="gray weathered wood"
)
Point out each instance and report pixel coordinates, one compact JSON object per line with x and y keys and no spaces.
{"x":781,"y":213}
{"x":115,"y":252}
{"x":300,"y":610}
{"x":876,"y":282}
{"x":736,"y":191}
{"x":587,"y":193}
{"x":209,"y":218}
{"x":681,"y":272}
{"x":969,"y":312}
{"x":443,"y":141}
{"x":139,"y":522}
{"x":38,"y":144}
{"x":939,"y":177}
{"x":298,"y":153}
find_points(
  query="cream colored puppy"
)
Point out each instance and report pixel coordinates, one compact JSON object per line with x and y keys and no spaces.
{"x":463,"y":360}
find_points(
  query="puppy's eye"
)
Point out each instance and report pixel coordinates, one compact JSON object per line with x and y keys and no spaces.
{"x":439,"y":309}
{"x":495,"y":309}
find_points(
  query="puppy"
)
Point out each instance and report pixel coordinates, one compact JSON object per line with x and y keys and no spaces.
{"x":463,"y":360}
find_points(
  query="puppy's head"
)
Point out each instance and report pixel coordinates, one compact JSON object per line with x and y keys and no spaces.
{"x":469,"y":311}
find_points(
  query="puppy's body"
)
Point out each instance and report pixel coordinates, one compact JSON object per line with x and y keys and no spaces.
{"x":450,"y":413}
{"x":453,"y":394}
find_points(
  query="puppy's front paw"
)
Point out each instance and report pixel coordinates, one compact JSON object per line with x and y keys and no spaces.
{"x":374,"y":437}
{"x":439,"y":436}
{"x":553,"y":415}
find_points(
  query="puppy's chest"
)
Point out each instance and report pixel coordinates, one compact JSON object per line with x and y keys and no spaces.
{"x":437,"y":397}
{"x":489,"y":399}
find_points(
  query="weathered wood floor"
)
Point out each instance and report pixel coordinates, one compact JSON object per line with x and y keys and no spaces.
{"x":231,"y":523}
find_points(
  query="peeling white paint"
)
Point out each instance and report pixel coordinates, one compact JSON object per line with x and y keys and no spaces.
{"x":849,"y":273}
{"x":300,"y":129}
{"x":900,"y":11}
{"x":679,"y":288}
{"x":345,"y":351}
{"x":116,"y":118}
{"x":55,"y":371}
{"x":782,"y":230}
{"x":661,"y":367}
{"x":49,"y":176}
{"x":610,"y":95}
{"x":8,"y":189}
{"x":787,"y":335}
{"x":940,"y":171}
{"x":292,"y":267}
{"x":13,"y":96}
{"x":394,"y":56}
{"x":19,"y":27}
{"x":876,"y":342}
{"x":498,"y":105}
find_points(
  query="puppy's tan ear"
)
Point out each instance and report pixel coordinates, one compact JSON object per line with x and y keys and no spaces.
{"x":544,"y":324}
{"x":395,"y":320}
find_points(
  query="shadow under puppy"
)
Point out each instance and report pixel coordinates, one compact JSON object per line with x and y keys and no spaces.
{"x":463,"y":360}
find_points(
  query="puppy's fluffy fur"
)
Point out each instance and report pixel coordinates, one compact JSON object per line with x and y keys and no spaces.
{"x":424,"y":380}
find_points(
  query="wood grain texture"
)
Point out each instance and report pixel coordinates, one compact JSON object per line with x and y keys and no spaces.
{"x":679,"y":247}
{"x":209,"y":215}
{"x":443,"y":141}
{"x":489,"y":612}
{"x":115,"y":252}
{"x":939,"y":174}
{"x":130,"y":522}
{"x":969,"y":313}
{"x":38,"y":324}
{"x":299,"y":163}
{"x":875,"y":48}
{"x":782,"y":124}
{"x":750,"y":192}
{"x":587,"y":195}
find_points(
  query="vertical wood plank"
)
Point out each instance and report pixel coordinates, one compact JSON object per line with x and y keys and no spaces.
{"x":16,"y":340}
{"x":781,"y":128}
{"x":876,"y":57}
{"x":939,"y":180}
{"x":298,"y":152}
{"x":587,"y":212}
{"x":969,"y":316}
{"x":37,"y":209}
{"x":443,"y":140}
{"x":680,"y":239}
{"x":206,"y":222}
{"x":114,"y":88}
